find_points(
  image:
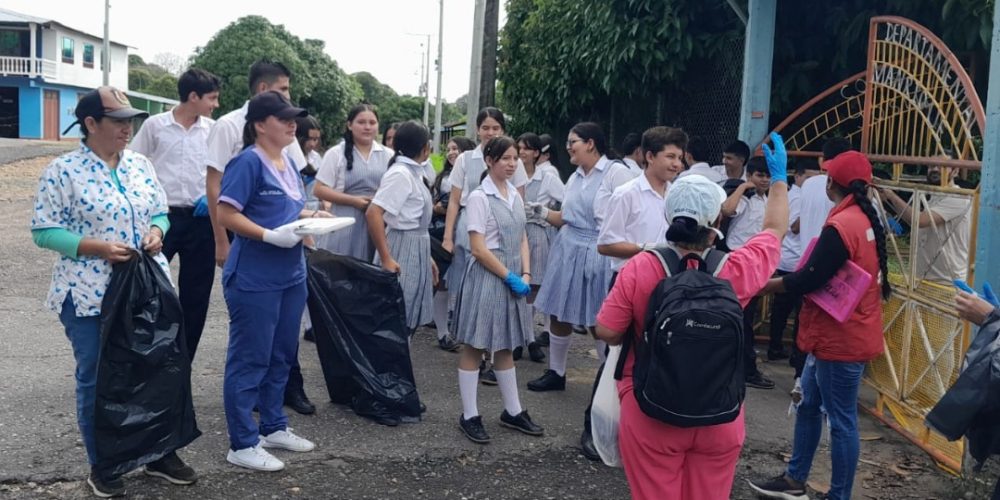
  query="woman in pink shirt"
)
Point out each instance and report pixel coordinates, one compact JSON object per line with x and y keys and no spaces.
{"x":663,"y":461}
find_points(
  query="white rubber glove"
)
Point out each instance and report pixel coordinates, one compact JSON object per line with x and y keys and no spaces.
{"x":541,"y":212}
{"x":283,"y":237}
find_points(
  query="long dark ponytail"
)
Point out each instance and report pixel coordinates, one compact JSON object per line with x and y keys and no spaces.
{"x":464,"y":144}
{"x":859,"y":189}
{"x":349,"y":136}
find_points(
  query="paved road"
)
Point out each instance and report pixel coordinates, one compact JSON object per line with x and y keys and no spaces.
{"x":21,"y":149}
{"x":42,"y":456}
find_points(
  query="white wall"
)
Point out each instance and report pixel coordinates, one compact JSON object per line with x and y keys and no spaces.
{"x":76,"y":74}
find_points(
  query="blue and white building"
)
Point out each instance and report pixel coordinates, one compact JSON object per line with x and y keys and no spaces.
{"x":45,"y":66}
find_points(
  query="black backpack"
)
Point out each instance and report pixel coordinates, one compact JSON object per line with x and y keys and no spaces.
{"x":689,"y":361}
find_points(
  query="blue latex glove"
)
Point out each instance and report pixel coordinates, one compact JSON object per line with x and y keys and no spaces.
{"x":896,"y":227}
{"x":201,"y":207}
{"x":777,"y":159}
{"x":990,"y":296}
{"x":963,"y":286}
{"x":516,"y":284}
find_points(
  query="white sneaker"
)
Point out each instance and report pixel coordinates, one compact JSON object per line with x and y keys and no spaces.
{"x":256,"y":458}
{"x":286,"y":440}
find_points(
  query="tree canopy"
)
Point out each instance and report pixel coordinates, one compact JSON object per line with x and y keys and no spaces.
{"x":317,"y":82}
{"x":150,"y":78}
{"x":634,"y":61}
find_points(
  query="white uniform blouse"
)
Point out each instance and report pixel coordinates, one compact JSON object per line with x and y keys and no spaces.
{"x":402,"y":195}
{"x":479,"y":216}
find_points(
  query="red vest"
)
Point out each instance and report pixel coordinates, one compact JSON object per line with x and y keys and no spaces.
{"x":859,"y":338}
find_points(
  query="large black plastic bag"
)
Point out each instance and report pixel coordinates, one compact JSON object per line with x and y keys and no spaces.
{"x":359,"y":318}
{"x":143,"y":409}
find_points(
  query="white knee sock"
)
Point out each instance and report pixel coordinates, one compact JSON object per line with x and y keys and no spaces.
{"x":441,"y":313}
{"x":507,"y":380}
{"x":307,"y":319}
{"x":468,"y":382}
{"x":558,"y":352}
{"x":601,"y":347}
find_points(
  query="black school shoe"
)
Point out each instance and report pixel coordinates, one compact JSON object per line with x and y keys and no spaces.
{"x":309,"y":336}
{"x":543,"y":339}
{"x":549,"y":381}
{"x":173,"y":469}
{"x":488,"y":377}
{"x":780,"y":487}
{"x":759,"y":381}
{"x":448,"y":343}
{"x":587,"y":447}
{"x":535,"y":352}
{"x":521,"y":422}
{"x":473,"y":429}
{"x":106,"y":487}
{"x":300,"y":403}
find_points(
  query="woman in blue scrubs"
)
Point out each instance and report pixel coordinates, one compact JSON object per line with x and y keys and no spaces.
{"x":263,"y":282}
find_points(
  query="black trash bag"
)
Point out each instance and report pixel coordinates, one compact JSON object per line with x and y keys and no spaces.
{"x":359,"y":320}
{"x":440,"y":256}
{"x":143,"y":409}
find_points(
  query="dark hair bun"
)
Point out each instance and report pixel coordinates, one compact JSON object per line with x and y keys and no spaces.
{"x":683,"y":230}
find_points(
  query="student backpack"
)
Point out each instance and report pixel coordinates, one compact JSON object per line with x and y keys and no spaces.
{"x":689,"y":360}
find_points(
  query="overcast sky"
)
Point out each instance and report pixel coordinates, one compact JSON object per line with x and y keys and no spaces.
{"x":361,"y":35}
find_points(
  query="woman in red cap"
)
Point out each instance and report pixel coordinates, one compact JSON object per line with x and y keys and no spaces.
{"x":837,"y":352}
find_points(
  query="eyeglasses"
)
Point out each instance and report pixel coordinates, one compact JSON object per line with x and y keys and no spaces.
{"x":570,"y":142}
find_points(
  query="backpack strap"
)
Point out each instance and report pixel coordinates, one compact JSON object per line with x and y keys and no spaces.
{"x":714,"y":261}
{"x":668,"y":259}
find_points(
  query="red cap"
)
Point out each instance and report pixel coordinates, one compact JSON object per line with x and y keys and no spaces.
{"x":848,"y":167}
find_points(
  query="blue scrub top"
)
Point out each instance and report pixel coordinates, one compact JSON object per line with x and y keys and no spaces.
{"x":270,"y":198}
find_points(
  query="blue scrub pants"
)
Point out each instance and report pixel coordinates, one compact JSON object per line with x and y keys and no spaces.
{"x":84,"y":335}
{"x":263,"y":344}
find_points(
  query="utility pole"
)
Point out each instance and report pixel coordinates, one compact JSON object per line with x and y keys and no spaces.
{"x":988,"y":236}
{"x":758,"y":55}
{"x":488,"y":80}
{"x":427,"y":82}
{"x":437,"y":103}
{"x":472,"y":106}
{"x":106,"y":52}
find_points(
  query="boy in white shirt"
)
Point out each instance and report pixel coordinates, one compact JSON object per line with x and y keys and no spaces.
{"x":176,"y":142}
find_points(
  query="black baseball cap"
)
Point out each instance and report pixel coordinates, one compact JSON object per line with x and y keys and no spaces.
{"x":272,"y":103}
{"x":104,"y":101}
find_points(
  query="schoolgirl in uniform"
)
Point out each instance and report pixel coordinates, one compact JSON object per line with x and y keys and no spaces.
{"x":441,"y":191}
{"x":546,"y":155}
{"x":465,"y":178}
{"x":263,"y":282}
{"x":492,"y":314}
{"x":544,"y":188}
{"x":348,"y":178}
{"x":576,"y":277}
{"x":398,"y":219}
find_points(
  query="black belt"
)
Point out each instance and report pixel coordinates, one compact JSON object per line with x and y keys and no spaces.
{"x":189,"y":211}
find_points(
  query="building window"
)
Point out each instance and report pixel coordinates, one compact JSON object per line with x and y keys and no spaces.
{"x":88,"y":55}
{"x":67,"y":50}
{"x":15,"y":43}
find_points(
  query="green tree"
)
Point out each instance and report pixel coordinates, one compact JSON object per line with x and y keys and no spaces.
{"x":317,"y":81}
{"x":150,"y":78}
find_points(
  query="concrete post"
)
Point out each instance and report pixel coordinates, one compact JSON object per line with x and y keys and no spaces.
{"x":988,"y":237}
{"x":475,"y":71}
{"x":34,"y":69}
{"x":758,"y":55}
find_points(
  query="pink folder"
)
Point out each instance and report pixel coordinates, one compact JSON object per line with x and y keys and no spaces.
{"x":842,"y":294}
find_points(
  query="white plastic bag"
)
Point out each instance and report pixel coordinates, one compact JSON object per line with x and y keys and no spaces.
{"x":606,"y":412}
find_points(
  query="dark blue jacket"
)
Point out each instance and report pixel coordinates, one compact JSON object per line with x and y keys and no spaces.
{"x":971,"y":407}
